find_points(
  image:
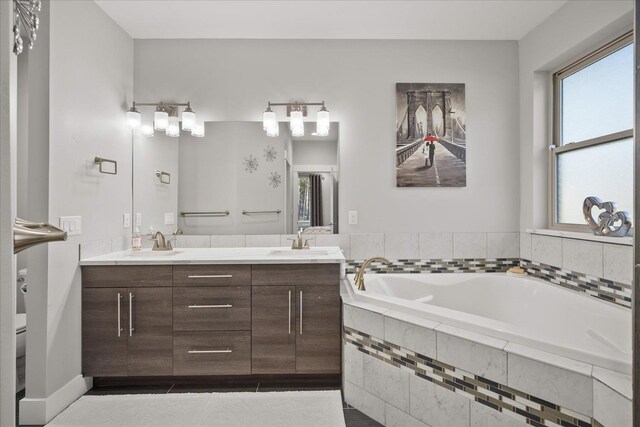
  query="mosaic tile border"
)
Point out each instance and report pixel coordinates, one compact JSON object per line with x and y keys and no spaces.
{"x":604,"y":289}
{"x":459,"y":265}
{"x":502,"y":398}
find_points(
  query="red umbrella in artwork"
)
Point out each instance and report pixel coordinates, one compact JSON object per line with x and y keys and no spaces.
{"x":431,"y":138}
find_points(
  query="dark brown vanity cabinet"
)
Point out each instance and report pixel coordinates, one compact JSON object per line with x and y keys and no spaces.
{"x":296,"y":327}
{"x":192,"y":320}
{"x":127,"y":331}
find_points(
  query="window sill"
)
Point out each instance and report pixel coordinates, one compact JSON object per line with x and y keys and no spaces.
{"x":626,"y":241}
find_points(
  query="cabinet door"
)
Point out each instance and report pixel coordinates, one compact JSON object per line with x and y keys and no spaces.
{"x":150,"y":333}
{"x":273,"y":339}
{"x":318,"y":329}
{"x":104,"y":338}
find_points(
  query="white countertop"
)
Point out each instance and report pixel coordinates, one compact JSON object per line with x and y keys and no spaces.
{"x":284,"y":255}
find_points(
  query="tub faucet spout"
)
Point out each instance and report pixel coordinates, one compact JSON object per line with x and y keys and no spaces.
{"x":360,"y":273}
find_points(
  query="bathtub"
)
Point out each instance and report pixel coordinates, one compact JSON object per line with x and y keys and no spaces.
{"x":520,"y":310}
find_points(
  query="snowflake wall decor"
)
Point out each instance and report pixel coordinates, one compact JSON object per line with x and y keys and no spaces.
{"x":275,"y":179}
{"x":270,"y":153}
{"x":250,"y":164}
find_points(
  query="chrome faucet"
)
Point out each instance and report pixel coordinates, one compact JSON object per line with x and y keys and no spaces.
{"x":360,"y":273}
{"x":300,"y":243}
{"x":160,"y":242}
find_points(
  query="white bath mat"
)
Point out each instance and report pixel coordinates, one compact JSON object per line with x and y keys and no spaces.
{"x":276,"y":409}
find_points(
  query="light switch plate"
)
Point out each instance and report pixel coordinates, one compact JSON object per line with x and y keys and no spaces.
{"x":353,"y":217}
{"x":71,"y":224}
{"x":126,"y":220}
{"x":169,"y":218}
{"x":138,"y":219}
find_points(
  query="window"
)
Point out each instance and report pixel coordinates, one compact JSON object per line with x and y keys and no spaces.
{"x":592,"y":153}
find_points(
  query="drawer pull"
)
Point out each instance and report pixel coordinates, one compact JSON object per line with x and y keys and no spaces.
{"x":211,"y":306}
{"x":211,"y":276}
{"x":210,"y":351}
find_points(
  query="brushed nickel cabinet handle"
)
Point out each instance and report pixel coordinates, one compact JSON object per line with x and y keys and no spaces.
{"x":300,"y":312}
{"x":210,"y":351}
{"x":210,"y":306}
{"x":289,"y":312}
{"x":130,"y":314}
{"x":119,"y":325}
{"x":211,"y":276}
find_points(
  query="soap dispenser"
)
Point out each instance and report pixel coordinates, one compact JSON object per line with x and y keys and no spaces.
{"x":136,"y":240}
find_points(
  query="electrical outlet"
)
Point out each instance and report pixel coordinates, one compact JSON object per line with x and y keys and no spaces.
{"x":126,"y":220}
{"x":353,"y":217}
{"x":138,"y":219}
{"x":71,"y":224}
{"x":169,"y":218}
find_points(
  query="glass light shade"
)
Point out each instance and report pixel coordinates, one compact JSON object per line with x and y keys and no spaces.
{"x":173,"y":128}
{"x":273,"y":130}
{"x":147,"y":130}
{"x":161,"y":120}
{"x":269,"y":120}
{"x":197,"y":130}
{"x":297,"y":123}
{"x":134,"y":118}
{"x":188,"y":120}
{"x":323,"y":123}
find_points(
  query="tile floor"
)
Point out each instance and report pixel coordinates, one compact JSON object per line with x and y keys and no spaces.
{"x":353,"y":417}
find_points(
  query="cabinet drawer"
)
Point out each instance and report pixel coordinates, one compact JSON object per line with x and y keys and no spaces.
{"x":296,"y":274}
{"x":126,"y":276}
{"x":211,"y":353}
{"x":211,"y":275}
{"x":224,"y":308}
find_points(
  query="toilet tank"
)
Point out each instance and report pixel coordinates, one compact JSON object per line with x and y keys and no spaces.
{"x":20,"y":294}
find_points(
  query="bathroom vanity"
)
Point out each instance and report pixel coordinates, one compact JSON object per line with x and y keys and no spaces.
{"x":212,"y":312}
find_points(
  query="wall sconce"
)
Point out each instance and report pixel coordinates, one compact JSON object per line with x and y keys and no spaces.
{"x":165,"y":118}
{"x":296,"y":111}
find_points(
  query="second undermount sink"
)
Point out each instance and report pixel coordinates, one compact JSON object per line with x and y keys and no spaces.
{"x":150,"y":253}
{"x":299,"y":252}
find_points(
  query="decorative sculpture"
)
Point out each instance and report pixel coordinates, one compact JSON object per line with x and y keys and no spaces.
{"x":610,"y":223}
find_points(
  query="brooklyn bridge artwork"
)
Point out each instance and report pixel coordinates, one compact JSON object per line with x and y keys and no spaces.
{"x":431,"y":135}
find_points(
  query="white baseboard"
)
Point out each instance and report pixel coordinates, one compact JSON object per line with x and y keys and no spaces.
{"x":39,"y":411}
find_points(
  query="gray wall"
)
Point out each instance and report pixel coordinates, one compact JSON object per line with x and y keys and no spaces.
{"x":234,"y":79}
{"x":85,"y":82}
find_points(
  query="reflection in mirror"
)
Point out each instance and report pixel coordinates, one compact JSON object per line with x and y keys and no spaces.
{"x":236,"y":180}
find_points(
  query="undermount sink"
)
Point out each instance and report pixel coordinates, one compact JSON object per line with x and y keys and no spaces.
{"x":150,"y":253}
{"x":299,"y":252}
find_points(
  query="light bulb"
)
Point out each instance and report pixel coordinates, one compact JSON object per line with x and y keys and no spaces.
{"x":297,"y":123}
{"x":161,"y":119}
{"x":134,"y":118}
{"x":173,"y":128}
{"x":323,"y":123}
{"x":147,"y":130}
{"x":188,"y":119}
{"x":269,"y":119}
{"x":197,"y":130}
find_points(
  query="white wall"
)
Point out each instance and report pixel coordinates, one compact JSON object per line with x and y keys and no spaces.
{"x":234,"y":79}
{"x":575,"y":29}
{"x":88,"y":90}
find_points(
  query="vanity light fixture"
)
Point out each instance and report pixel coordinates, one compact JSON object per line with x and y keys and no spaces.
{"x":296,"y":111}
{"x":166,"y":118}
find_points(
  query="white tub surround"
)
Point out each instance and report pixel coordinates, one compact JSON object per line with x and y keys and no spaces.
{"x":266,"y":255}
{"x":459,"y":377}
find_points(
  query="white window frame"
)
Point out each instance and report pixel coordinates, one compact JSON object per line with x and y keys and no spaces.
{"x":557,"y":148}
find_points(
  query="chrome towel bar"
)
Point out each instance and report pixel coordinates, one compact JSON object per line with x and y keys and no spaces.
{"x":219,"y":213}
{"x":277,"y":211}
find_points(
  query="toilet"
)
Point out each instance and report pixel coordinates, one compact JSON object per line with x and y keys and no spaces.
{"x":21,"y":330}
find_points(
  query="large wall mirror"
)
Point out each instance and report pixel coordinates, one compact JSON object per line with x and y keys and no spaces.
{"x":237,"y":180}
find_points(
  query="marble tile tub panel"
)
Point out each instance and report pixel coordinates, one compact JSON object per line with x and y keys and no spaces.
{"x":364,"y":319}
{"x":525,"y":245}
{"x":366,"y":245}
{"x":364,"y":402}
{"x":618,"y":263}
{"x":546,"y":249}
{"x":503,"y":245}
{"x":583,"y":256}
{"x":396,"y":418}
{"x":437,"y":245}
{"x":353,"y":365}
{"x":436,"y":405}
{"x":387,"y":382}
{"x":401,"y":245}
{"x":568,"y":389}
{"x":611,"y":408}
{"x":484,"y":416}
{"x":340,"y":240}
{"x":422,"y":339}
{"x":470,"y":245}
